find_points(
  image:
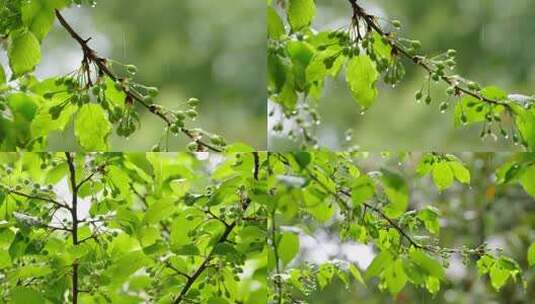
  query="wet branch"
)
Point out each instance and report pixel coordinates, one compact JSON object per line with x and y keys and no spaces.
{"x":90,"y":55}
{"x":371,"y":22}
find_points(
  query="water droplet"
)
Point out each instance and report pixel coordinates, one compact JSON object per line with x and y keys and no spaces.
{"x":443,"y":112}
{"x":362,"y":112}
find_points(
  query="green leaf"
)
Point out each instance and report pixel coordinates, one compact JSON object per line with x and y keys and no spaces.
{"x":317,"y":70}
{"x":26,"y":295}
{"x":498,"y":276}
{"x":430,"y":217}
{"x":288,"y":247}
{"x":395,"y":277}
{"x":525,"y":122}
{"x":397,"y":192}
{"x":158,"y":211}
{"x":24,"y":53}
{"x":494,"y":93}
{"x":362,"y":190}
{"x":430,"y":265}
{"x":44,"y":123}
{"x":38,"y":16}
{"x":361,"y":77}
{"x":460,"y":172}
{"x":527,"y":180}
{"x":442,"y":175}
{"x":303,"y":159}
{"x":92,"y":128}
{"x":379,"y":263}
{"x":432,"y":284}
{"x":356,"y":274}
{"x":531,"y":255}
{"x":275,"y":26}
{"x":301,"y":13}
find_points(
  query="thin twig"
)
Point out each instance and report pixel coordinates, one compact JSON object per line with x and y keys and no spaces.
{"x":91,"y":55}
{"x":370,"y":20}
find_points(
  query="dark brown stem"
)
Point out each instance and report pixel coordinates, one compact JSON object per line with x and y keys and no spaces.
{"x":223,"y":238}
{"x":74,"y":215}
{"x":91,"y":55}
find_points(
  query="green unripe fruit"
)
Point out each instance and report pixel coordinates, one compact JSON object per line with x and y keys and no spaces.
{"x":148,"y":99}
{"x":95,"y":90}
{"x":180,"y":115}
{"x":153,"y":91}
{"x":396,"y":24}
{"x":193,"y":102}
{"x":132,"y":69}
{"x":473,"y":86}
{"x":452,"y":53}
{"x":179,"y":124}
{"x":444,"y":107}
{"x":85,"y":99}
{"x":192,"y":146}
{"x":450,"y":91}
{"x":192,"y":113}
{"x":416,"y":44}
{"x":218,"y":140}
{"x":428,"y":99}
{"x":464,"y":119}
{"x":419,"y":95}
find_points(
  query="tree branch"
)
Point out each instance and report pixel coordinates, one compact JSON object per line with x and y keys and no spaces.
{"x":74,"y":231}
{"x":91,"y":55}
{"x":35,"y":197}
{"x":370,"y":20}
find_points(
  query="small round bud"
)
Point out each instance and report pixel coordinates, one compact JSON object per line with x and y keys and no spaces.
{"x":193,"y":102}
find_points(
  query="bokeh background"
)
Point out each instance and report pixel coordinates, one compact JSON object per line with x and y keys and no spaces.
{"x":495,"y":43}
{"x":503,"y":216}
{"x":212,"y":50}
